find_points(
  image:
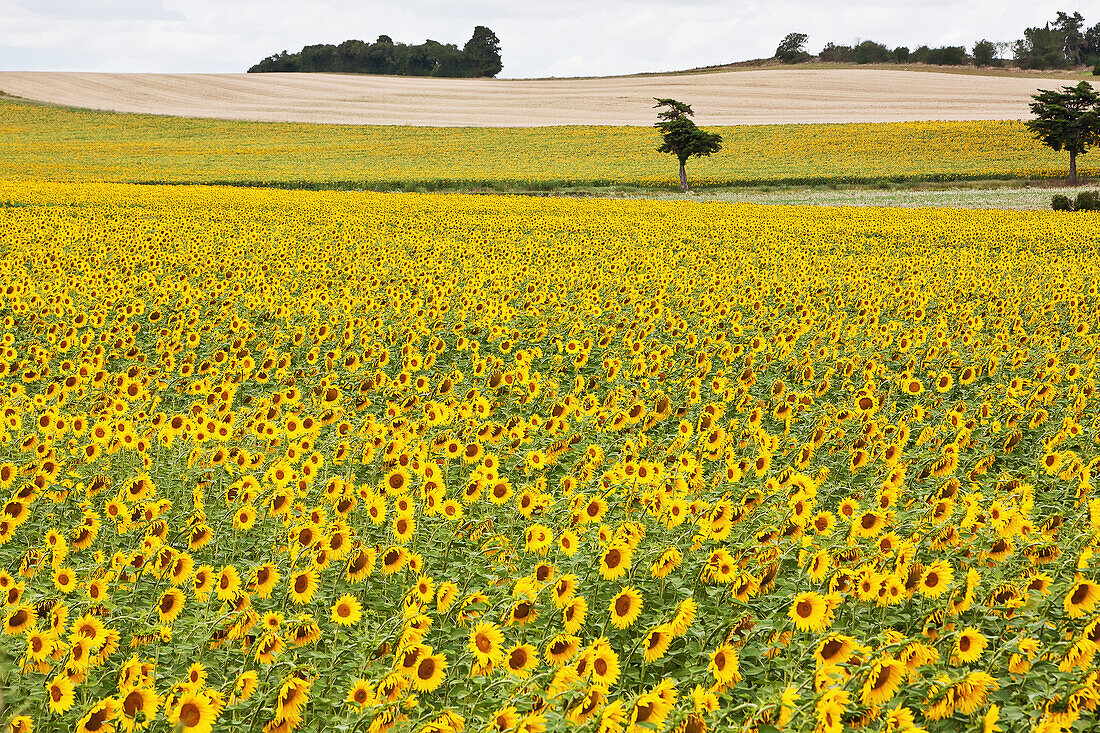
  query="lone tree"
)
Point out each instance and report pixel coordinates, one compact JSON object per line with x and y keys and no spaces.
{"x":681,"y":137}
{"x":792,"y":48}
{"x":1067,"y":120}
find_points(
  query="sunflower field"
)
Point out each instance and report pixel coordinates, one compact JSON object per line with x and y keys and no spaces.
{"x":278,"y":461}
{"x":48,"y":142}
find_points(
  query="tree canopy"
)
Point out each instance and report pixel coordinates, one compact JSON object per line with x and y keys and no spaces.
{"x":1067,"y":119}
{"x":680,"y":136}
{"x":479,"y":57}
{"x":1063,"y":42}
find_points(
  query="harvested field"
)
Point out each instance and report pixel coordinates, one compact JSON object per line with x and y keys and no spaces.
{"x":724,"y":98}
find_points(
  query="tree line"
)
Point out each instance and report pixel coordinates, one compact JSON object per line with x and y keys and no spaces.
{"x":1062,"y":43}
{"x":479,"y":57}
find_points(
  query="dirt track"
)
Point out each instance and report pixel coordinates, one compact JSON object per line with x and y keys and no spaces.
{"x":723,"y":98}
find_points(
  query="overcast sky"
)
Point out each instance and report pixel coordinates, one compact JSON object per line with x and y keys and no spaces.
{"x":540,"y":38}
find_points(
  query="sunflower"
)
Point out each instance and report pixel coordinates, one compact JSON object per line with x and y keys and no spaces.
{"x":139,"y":708}
{"x":505,"y":718}
{"x":39,"y":645}
{"x":573,"y":615}
{"x":522,"y":613}
{"x":265,"y":579}
{"x":868,"y":524}
{"x":834,"y":649}
{"x":245,"y":686}
{"x":408,"y":655}
{"x":649,"y":710}
{"x":244,"y":518}
{"x":605,"y":667}
{"x":656,"y":643}
{"x":361,"y":694}
{"x":292,"y":698}
{"x":565,"y":588}
{"x":396,"y":481}
{"x":393,"y":559}
{"x":196,"y":676}
{"x":170,"y":605}
{"x":724,"y":665}
{"x":625,"y":607}
{"x":615,"y":561}
{"x":347,"y":611}
{"x":21,"y":724}
{"x":99,"y":716}
{"x":561,"y":648}
{"x":303,"y":585}
{"x":968,"y":647}
{"x":60,"y":691}
{"x":429,"y":672}
{"x":882,"y":682}
{"x":669,"y":560}
{"x":64,"y":580}
{"x":445,"y":596}
{"x":1081,"y":598}
{"x":989,"y":720}
{"x":936,"y":579}
{"x":810,"y":612}
{"x":361,"y":564}
{"x":403,"y":529}
{"x":22,"y":618}
{"x":685,"y":616}
{"x":485,"y":643}
{"x":182,"y":566}
{"x":203,"y":582}
{"x":521,"y":659}
{"x":228,"y":583}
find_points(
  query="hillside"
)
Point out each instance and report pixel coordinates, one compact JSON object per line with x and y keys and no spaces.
{"x":763,"y":96}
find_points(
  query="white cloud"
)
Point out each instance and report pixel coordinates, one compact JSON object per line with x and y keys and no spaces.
{"x":548,"y":38}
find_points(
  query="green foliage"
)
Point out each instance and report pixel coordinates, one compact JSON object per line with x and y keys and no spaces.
{"x":792,"y":48}
{"x":479,"y":57}
{"x":483,"y":53}
{"x":941,"y":56}
{"x":872,"y":52}
{"x":1067,"y":120}
{"x":1059,"y":44}
{"x":833,"y":53}
{"x":1087,"y":201}
{"x":1040,"y":48}
{"x":1084,"y":201}
{"x":681,"y":138}
{"x":984,"y":53}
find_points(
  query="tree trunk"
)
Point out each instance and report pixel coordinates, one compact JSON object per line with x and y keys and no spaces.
{"x":1073,"y":167}
{"x":683,"y":177}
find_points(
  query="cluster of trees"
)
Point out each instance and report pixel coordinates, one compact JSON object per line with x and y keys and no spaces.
{"x":1062,"y":43}
{"x":479,"y":57}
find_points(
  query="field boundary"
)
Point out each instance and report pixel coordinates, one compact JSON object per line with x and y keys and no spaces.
{"x":580,"y":186}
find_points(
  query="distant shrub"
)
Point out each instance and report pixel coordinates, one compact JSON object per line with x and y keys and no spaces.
{"x":1096,"y":70}
{"x":1084,"y":201}
{"x":1087,"y":201}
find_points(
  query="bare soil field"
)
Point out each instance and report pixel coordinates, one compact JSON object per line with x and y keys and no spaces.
{"x":766,"y":96}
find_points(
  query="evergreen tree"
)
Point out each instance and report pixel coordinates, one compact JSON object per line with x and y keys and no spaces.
{"x":681,"y":137}
{"x":483,"y":53}
{"x":1067,"y":120}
